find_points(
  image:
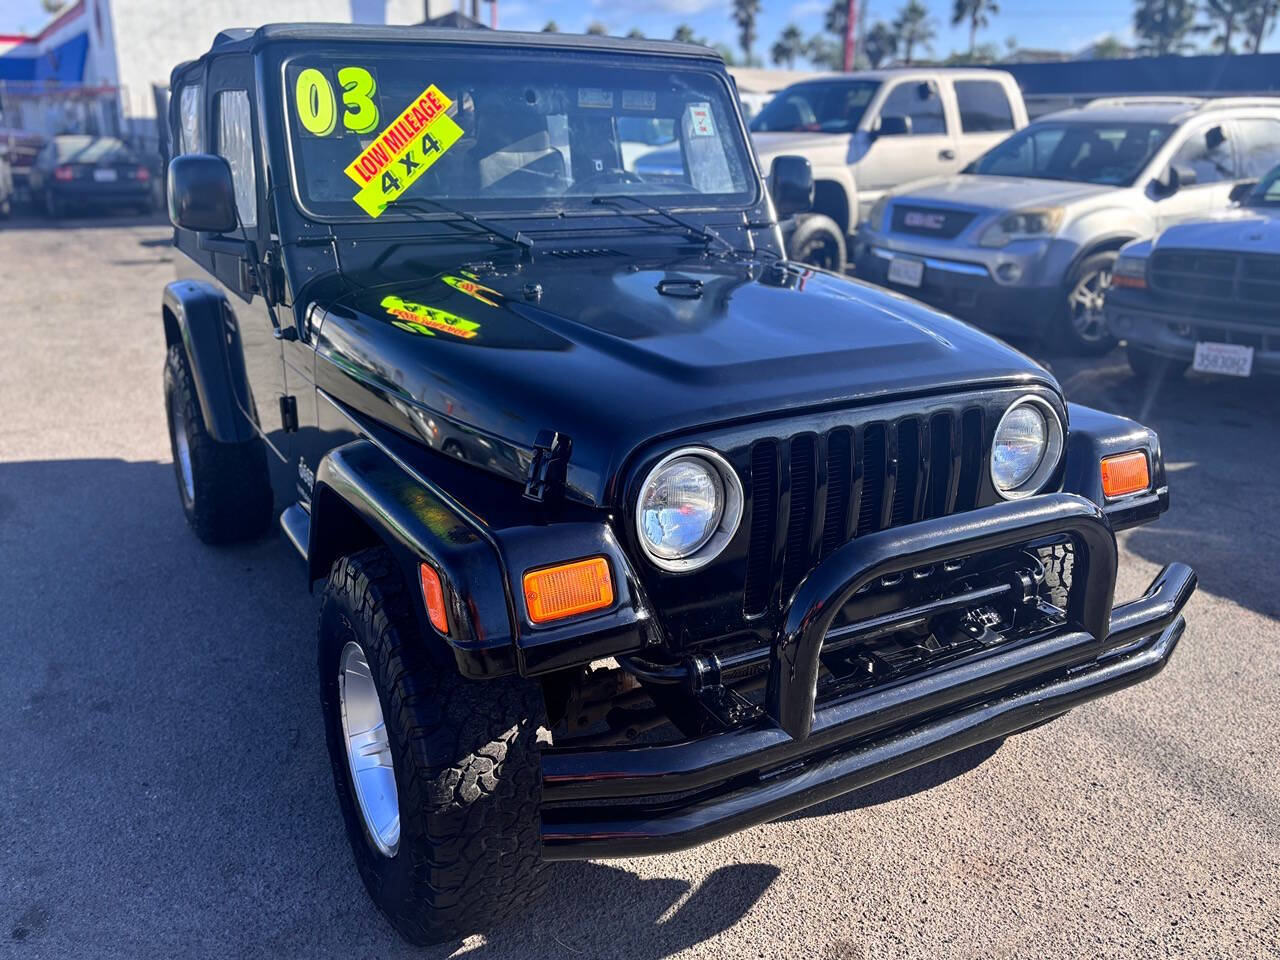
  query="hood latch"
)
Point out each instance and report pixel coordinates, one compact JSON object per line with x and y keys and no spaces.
{"x":545,"y":478}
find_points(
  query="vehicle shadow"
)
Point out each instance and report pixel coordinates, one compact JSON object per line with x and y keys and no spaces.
{"x":96,"y":219}
{"x":167,"y":781}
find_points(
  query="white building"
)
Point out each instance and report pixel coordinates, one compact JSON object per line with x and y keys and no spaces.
{"x":124,"y":49}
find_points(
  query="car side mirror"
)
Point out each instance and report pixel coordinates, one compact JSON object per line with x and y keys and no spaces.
{"x":202,"y":196}
{"x":791,"y":183}
{"x":1178,"y":176}
{"x":894,"y":126}
{"x":1241,"y":190}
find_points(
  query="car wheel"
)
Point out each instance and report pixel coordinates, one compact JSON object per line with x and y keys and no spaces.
{"x":819,"y":242}
{"x":1153,"y":367}
{"x":224,"y":487}
{"x":1083,"y":324}
{"x":438,"y":777}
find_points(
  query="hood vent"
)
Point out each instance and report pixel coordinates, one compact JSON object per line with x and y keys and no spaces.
{"x":583,"y":253}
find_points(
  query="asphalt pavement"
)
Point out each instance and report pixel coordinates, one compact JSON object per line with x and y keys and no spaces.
{"x":164,"y":786}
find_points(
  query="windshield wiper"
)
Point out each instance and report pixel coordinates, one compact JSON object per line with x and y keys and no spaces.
{"x":703,"y":232}
{"x":410,"y":204}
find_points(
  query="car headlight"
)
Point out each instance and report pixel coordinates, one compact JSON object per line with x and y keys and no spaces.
{"x":688,"y":509}
{"x":875,"y":219}
{"x":1027,"y":447}
{"x":1022,"y":225}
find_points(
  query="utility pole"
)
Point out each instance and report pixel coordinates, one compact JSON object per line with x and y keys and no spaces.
{"x":850,"y":34}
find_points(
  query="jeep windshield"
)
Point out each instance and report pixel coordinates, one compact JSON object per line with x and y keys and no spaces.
{"x":507,"y":131}
{"x":1112,"y":154}
{"x":827,"y":106}
{"x":1266,"y":193}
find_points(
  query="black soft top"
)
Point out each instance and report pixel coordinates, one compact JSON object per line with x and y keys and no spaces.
{"x":248,"y":39}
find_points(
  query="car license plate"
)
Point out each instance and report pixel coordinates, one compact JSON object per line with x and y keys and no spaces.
{"x":1230,"y":359}
{"x":104,"y":176}
{"x":909,"y":273}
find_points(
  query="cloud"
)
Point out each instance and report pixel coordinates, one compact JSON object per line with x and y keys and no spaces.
{"x":806,"y":9}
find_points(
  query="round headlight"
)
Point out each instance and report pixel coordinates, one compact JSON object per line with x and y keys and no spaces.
{"x":1027,"y":447}
{"x":689,"y":507}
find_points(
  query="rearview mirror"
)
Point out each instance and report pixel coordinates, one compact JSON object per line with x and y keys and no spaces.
{"x":894,"y":126}
{"x":791,"y":183}
{"x":1241,"y":190}
{"x":201,"y":194}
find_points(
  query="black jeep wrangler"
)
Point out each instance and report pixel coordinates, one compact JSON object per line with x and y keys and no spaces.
{"x":633,"y":533}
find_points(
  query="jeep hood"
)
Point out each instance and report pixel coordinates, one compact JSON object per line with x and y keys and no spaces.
{"x":1241,"y":230}
{"x":614,"y":354}
{"x":999,"y":193}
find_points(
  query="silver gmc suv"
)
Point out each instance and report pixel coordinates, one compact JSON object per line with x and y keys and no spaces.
{"x":1023,"y":241}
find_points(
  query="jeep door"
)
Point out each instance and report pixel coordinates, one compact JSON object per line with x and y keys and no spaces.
{"x":925,"y":148}
{"x":1207,"y":151}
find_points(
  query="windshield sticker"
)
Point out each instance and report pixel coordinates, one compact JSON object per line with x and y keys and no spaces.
{"x":404,"y":151}
{"x":639,"y":100}
{"x":595,"y":97}
{"x":701,"y":124}
{"x":317,"y":107}
{"x":472,"y":289}
{"x":419,"y":318}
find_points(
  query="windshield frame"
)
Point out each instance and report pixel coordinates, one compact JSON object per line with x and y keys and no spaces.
{"x":1169,"y":130}
{"x":276,"y":102}
{"x":1255,"y":198}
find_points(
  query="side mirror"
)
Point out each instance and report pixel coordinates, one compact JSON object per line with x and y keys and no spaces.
{"x":201,"y":194}
{"x":1178,"y":176}
{"x":894,"y":126}
{"x":791,"y":182}
{"x":1241,"y":190}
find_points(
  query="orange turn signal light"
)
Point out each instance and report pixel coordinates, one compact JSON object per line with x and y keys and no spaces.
{"x":1125,"y":473}
{"x":433,"y":596}
{"x":567,"y":589}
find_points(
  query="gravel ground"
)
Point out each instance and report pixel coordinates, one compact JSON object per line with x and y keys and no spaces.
{"x":166,"y":791}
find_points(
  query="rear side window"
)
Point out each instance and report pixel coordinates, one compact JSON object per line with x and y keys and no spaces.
{"x":984,"y":106}
{"x":235,"y":143}
{"x":1259,"y":146}
{"x":1208,"y":153}
{"x":919,"y":103}
{"x":189,"y":99}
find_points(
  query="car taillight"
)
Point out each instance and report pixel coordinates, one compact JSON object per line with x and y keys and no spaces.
{"x":64,"y":173}
{"x":142,"y":173}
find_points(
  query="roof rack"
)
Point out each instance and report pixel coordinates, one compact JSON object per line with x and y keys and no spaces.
{"x":1144,"y":101}
{"x":1220,"y":102}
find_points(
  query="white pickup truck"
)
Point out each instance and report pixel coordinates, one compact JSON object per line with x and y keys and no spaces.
{"x":867,"y":132}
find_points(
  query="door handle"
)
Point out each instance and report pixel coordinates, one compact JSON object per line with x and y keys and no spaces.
{"x":946,"y":154}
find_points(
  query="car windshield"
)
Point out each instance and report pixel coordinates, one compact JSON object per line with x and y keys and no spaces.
{"x":1266,"y":193}
{"x":508,"y":131}
{"x":829,"y":106}
{"x":1105,"y":153}
{"x":87,"y":149}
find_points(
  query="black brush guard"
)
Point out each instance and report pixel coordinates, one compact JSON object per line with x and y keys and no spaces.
{"x":637,"y":800}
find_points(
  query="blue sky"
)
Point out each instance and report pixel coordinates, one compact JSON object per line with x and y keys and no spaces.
{"x":1035,"y":23}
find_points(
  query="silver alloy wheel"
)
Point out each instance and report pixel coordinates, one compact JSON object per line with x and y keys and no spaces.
{"x":368,"y":750}
{"x":1084,"y":304}
{"x":183,"y":447}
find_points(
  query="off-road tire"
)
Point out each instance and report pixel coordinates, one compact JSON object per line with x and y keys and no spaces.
{"x":1153,"y":367}
{"x":1058,"y":562}
{"x":1065,"y":334}
{"x":819,"y":242}
{"x":466,"y":756}
{"x":231,"y":496}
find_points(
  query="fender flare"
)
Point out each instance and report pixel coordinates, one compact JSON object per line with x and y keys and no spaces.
{"x":1095,"y":434}
{"x":194,"y":316}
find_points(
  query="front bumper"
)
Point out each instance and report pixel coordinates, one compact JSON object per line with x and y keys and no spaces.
{"x":1173,"y":329}
{"x":627,"y":801}
{"x":967,"y":290}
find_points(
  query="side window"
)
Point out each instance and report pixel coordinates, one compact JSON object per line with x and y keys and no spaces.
{"x":984,"y":106}
{"x":235,"y":142}
{"x":189,"y":100}
{"x":918,"y":102}
{"x":1259,"y":146}
{"x":1208,"y":153}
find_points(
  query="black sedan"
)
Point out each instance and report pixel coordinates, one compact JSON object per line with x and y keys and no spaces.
{"x":81,"y":171}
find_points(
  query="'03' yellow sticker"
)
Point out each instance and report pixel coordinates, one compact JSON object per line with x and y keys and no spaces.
{"x":404,"y":151}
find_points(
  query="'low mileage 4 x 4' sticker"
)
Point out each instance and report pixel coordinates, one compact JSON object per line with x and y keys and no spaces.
{"x":404,"y":151}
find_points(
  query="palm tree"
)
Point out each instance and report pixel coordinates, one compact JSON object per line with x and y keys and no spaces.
{"x":1259,"y":21}
{"x":635,"y":33}
{"x":597,"y":29}
{"x":744,"y":15}
{"x":881,"y":44}
{"x":788,"y":48}
{"x":1163,"y":26}
{"x":914,"y":27}
{"x":1227,"y":16}
{"x":976,"y":12}
{"x":551,"y":27}
{"x":684,"y":34}
{"x":1108,"y":48}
